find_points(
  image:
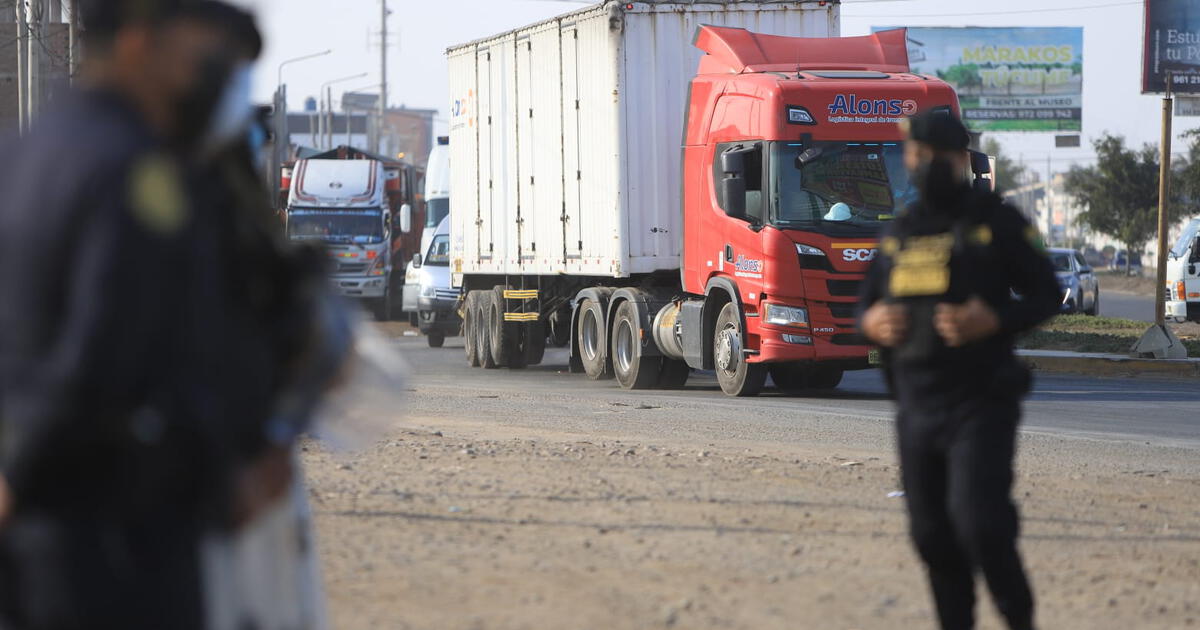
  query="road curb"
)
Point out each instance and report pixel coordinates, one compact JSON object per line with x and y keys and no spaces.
{"x":1111,"y":365}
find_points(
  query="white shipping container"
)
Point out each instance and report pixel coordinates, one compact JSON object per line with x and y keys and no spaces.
{"x":565,"y":135}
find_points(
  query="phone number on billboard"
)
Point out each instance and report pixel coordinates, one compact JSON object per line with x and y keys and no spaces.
{"x":1023,"y":114}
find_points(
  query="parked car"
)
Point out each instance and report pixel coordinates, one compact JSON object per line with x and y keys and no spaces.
{"x":1118,"y":263}
{"x":1081,"y":289}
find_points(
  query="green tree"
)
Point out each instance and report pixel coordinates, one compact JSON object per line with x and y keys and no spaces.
{"x":1008,"y":172}
{"x":1120,"y":193}
{"x":963,"y":76}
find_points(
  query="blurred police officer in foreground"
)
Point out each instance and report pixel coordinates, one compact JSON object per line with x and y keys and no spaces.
{"x":939,"y":301}
{"x":139,"y":363}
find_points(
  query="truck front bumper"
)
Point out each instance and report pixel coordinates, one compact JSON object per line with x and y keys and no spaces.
{"x":1177,"y":309}
{"x":849,"y":350}
{"x":360,"y":286}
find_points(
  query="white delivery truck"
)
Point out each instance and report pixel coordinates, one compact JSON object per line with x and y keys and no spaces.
{"x":1183,"y":275}
{"x":437,"y":207}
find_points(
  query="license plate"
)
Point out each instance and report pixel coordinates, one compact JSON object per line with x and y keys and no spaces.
{"x":873,"y":356}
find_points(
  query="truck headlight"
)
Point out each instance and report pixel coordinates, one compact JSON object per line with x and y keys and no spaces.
{"x":379,"y":267}
{"x":428,"y":291}
{"x":780,"y":315}
{"x":808,"y":250}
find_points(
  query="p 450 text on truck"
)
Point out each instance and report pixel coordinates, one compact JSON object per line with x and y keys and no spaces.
{"x":573,"y":206}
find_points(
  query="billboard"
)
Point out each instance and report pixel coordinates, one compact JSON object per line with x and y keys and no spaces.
{"x":1171,"y":45}
{"x":1007,"y":79}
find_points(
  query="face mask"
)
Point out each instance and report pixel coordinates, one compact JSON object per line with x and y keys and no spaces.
{"x":233,"y":111}
{"x":940,"y":183}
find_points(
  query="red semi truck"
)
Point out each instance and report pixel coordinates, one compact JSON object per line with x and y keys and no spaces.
{"x":575,"y":213}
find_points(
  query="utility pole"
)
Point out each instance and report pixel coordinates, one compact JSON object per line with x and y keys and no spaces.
{"x":383,"y":82}
{"x":22,"y":102}
{"x":1158,"y":341}
{"x":36,"y":28}
{"x":72,"y":40}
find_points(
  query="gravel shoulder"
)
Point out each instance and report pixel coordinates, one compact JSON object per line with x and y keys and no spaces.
{"x":493,"y":508}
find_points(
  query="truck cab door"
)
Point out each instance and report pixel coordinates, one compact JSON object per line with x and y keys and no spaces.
{"x":738,"y":184}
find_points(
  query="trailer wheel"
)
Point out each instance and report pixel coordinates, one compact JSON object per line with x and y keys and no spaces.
{"x":483,"y":330}
{"x":592,"y":339}
{"x":504,"y":335}
{"x":469,"y":322}
{"x":673,"y":374}
{"x":736,"y":376}
{"x":533,"y":342}
{"x":632,"y":369}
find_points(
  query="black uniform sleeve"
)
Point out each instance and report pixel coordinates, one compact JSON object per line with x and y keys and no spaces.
{"x":874,"y":286}
{"x":1029,"y":272}
{"x":107,"y":345}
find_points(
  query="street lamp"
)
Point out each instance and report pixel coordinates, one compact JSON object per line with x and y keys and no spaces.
{"x":279,"y":83}
{"x":328,"y":91}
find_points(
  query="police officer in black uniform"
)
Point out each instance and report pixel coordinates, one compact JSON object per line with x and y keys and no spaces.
{"x":939,"y":300}
{"x":131,"y":364}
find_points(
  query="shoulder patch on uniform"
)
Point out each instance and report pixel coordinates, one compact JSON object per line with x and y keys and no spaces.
{"x":889,"y":245}
{"x":156,"y":194}
{"x":981,"y":235}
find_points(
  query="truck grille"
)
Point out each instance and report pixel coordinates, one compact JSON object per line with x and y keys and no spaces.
{"x":843,"y":310}
{"x":844,"y":288}
{"x":848,"y":339}
{"x":351,"y":267}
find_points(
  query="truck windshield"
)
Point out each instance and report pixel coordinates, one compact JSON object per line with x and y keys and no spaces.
{"x":439,"y":251}
{"x":1186,"y":238}
{"x":345,"y":226}
{"x":435,"y":210}
{"x":838,"y":187}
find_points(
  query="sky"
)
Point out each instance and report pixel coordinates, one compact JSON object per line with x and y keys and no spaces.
{"x":421,"y":30}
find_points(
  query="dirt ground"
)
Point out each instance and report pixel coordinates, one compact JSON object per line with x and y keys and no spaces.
{"x":457,"y":523}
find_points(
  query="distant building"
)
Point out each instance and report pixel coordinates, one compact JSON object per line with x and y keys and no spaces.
{"x":53,"y":53}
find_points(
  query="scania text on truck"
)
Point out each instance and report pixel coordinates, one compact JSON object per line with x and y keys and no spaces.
{"x":362,"y":207}
{"x":573,"y":205}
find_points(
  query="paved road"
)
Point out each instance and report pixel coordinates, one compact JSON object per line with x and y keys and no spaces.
{"x":1127,"y":305}
{"x":1158,"y":412}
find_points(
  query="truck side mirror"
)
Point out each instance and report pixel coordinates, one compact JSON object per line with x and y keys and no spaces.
{"x":406,"y":217}
{"x":733,"y":192}
{"x":416,"y":261}
{"x":733,"y":162}
{"x":981,"y":167}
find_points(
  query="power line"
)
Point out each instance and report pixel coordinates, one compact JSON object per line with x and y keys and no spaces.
{"x":986,"y":13}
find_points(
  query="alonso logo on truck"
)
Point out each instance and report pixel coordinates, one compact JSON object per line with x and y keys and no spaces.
{"x":851,"y":108}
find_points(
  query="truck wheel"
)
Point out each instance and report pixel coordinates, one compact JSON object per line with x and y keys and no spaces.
{"x":825,"y":378}
{"x":788,"y":377}
{"x":592,"y":339}
{"x":483,"y":330}
{"x":1095,"y":310}
{"x":470,"y":322}
{"x":534,"y":342}
{"x":436,"y":339}
{"x":382,"y":307}
{"x":673,"y":374}
{"x":414,"y":319}
{"x":505,"y":344}
{"x":632,"y":369}
{"x":736,"y":376}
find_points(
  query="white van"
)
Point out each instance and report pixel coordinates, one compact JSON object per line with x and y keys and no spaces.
{"x":1183,"y":275}
{"x":437,"y":301}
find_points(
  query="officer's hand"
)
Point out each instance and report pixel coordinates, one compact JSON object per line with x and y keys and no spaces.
{"x":886,"y":324}
{"x":5,"y":501}
{"x":261,"y":484}
{"x":961,"y":324}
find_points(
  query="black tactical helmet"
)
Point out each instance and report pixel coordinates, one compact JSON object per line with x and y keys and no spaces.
{"x":939,"y":129}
